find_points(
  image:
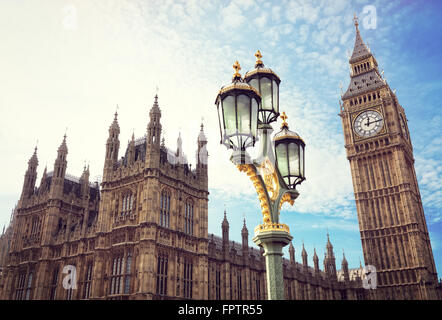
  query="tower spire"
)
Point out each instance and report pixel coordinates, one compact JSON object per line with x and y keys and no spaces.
{"x":153,"y":138}
{"x":360,"y":50}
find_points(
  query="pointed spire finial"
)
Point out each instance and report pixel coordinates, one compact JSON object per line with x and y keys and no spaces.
{"x":355,"y":19}
{"x":236,"y":67}
{"x":284,"y":117}
{"x":258,"y":62}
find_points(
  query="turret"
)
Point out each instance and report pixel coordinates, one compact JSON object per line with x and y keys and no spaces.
{"x":153,"y":138}
{"x":60,"y":166}
{"x":84,"y":181}
{"x":43,"y":178}
{"x":344,"y":266}
{"x":292,"y":253}
{"x":112,"y":148}
{"x":316,"y":262}
{"x":131,"y":151}
{"x":202,"y":157}
{"x":30,"y":177}
{"x":304,"y":259}
{"x":179,"y":149}
{"x":225,"y":231}
{"x":330,"y":261}
{"x":245,"y":237}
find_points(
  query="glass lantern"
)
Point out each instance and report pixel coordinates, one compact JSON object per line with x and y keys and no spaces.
{"x":290,"y":158}
{"x":266,"y":82}
{"x":237,"y":106}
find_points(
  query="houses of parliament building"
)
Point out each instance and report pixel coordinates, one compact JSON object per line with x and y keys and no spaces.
{"x":143,"y":233}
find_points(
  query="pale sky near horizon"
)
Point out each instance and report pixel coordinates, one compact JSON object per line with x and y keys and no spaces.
{"x":67,"y":64}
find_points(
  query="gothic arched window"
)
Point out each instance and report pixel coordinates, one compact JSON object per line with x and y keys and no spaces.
{"x":121,"y":274}
{"x":20,"y":286}
{"x":53,"y":287}
{"x":88,"y":281}
{"x":188,"y":217}
{"x":116,"y":274}
{"x":29,"y":287}
{"x":127,"y":275}
{"x":188,"y":279}
{"x":165,"y":209}
{"x":162,"y":274}
{"x":127,"y":204}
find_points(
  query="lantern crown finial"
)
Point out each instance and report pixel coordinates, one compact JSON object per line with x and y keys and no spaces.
{"x":258,"y":62}
{"x":236,"y":67}
{"x":284,"y":122}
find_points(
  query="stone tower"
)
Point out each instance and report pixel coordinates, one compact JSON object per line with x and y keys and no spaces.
{"x":393,"y":229}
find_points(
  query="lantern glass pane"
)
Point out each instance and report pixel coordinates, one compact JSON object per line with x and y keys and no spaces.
{"x":266,"y":93}
{"x":275,"y":96}
{"x":254,"y":116}
{"x":229,"y":115}
{"x":281,"y":156}
{"x":243,"y":114}
{"x":220,"y":120}
{"x":254,"y":83}
{"x":301,"y":158}
{"x":294,"y":159}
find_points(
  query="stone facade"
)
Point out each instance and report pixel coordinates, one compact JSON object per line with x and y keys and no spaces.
{"x":142,"y":235}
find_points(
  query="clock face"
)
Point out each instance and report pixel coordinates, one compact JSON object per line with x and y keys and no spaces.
{"x":368,"y":123}
{"x":403,"y":127}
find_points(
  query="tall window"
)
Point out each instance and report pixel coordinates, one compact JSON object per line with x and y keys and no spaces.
{"x":88,"y":281}
{"x":35,"y":226}
{"x":187,"y":279}
{"x":116,"y":275}
{"x":127,"y":275}
{"x":127,"y":204}
{"x":217,"y":283}
{"x":53,"y":288}
{"x":258,"y":289}
{"x":165,"y":209}
{"x":188,"y":218}
{"x":239,"y":286}
{"x":162,"y":274}
{"x":29,"y":287}
{"x":20,"y":286}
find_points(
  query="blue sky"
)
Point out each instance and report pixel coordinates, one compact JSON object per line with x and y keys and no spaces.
{"x":69,"y":63}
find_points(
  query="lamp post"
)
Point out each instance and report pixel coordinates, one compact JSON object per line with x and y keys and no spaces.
{"x":246,"y":109}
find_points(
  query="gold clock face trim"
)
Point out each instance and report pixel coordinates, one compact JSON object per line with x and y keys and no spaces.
{"x":368,"y":123}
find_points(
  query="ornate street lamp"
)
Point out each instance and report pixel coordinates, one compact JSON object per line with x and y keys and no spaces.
{"x":274,"y":177}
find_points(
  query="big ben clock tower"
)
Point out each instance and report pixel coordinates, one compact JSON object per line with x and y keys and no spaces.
{"x":391,"y":218}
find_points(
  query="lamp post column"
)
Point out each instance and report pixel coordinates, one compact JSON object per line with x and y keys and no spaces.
{"x":273,"y":241}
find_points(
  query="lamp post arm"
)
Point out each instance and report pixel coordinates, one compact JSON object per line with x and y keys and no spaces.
{"x":261,"y":190}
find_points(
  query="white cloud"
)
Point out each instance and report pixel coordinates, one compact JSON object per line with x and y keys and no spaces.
{"x":301,"y":10}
